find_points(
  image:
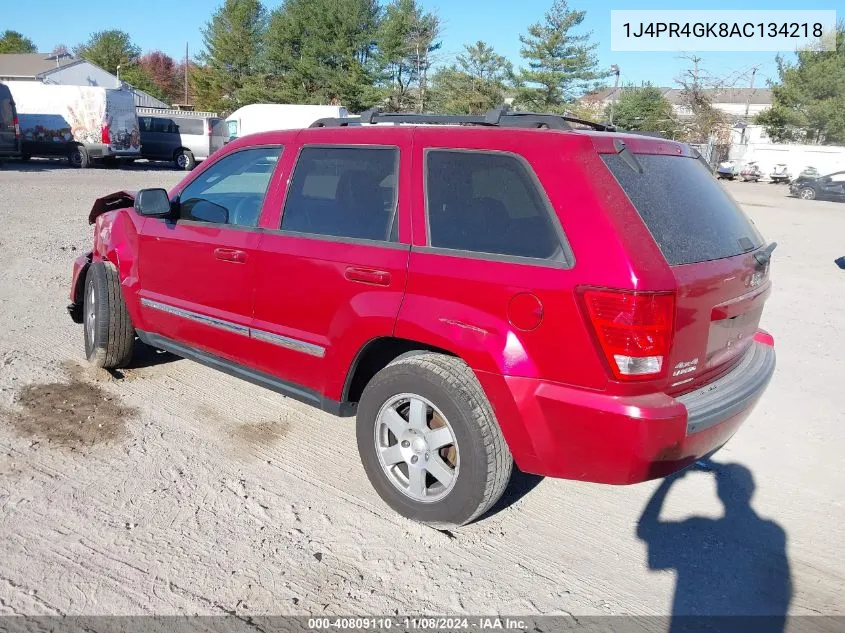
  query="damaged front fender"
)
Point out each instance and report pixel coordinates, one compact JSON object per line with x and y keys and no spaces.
{"x":111,"y":202}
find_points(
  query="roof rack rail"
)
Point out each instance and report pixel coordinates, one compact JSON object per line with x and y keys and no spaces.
{"x":497,"y":117}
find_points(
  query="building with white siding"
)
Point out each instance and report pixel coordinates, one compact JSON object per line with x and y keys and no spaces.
{"x":67,"y":71}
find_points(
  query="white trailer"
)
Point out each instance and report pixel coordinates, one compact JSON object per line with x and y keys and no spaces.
{"x":83,"y":123}
{"x":265,"y":117}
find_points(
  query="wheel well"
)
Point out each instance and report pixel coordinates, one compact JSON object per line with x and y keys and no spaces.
{"x":178,"y":151}
{"x":374,"y":357}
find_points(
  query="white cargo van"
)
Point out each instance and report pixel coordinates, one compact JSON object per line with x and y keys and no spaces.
{"x":264,"y":117}
{"x":82,"y":123}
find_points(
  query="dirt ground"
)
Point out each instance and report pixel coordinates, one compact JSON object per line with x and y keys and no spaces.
{"x":170,"y":488}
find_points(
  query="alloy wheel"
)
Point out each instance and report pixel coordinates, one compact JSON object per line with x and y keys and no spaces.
{"x":416,"y":447}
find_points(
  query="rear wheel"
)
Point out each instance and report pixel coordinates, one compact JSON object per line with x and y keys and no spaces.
{"x":185,"y":160}
{"x":78,"y":157}
{"x":109,"y":334}
{"x":807,"y":193}
{"x":429,"y":441}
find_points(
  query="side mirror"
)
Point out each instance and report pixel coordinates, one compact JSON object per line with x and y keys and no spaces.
{"x":153,"y":203}
{"x":840,"y":262}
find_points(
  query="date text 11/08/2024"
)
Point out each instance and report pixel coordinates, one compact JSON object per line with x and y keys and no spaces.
{"x":431,"y":623}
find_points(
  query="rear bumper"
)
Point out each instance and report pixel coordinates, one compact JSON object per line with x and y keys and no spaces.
{"x":576,"y":434}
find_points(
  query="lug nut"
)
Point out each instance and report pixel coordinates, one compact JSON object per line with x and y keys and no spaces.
{"x":427,"y":455}
{"x":414,"y":459}
{"x":405,"y":443}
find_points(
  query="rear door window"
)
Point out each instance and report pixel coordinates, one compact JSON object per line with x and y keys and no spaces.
{"x":690,"y":216}
{"x":487,"y":202}
{"x":345,"y":192}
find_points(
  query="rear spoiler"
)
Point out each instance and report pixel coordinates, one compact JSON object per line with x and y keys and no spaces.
{"x":116,"y":200}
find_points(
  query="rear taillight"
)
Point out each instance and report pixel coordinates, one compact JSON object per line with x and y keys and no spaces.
{"x":208,"y":128}
{"x":106,"y":136}
{"x":17,"y":126}
{"x":634,"y":329}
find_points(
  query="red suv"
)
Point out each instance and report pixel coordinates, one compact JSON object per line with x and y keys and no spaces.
{"x":504,"y":289}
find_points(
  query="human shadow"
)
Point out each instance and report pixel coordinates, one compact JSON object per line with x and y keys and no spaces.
{"x":726,"y":569}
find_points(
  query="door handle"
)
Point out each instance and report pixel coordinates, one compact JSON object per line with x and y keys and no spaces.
{"x":368,"y":276}
{"x":230,"y":255}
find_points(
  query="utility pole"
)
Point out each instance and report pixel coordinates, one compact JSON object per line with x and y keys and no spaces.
{"x":186,"y":73}
{"x":748,"y":104}
{"x":615,"y":70}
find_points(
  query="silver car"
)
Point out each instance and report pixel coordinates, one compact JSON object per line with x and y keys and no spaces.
{"x":183,"y":137}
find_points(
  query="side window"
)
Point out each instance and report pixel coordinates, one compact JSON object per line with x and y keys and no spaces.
{"x":165,"y":126}
{"x":838,"y":177}
{"x":487,"y":203}
{"x":232,"y":190}
{"x":190,"y":126}
{"x":344,"y":192}
{"x":145,"y":123}
{"x":6,"y":114}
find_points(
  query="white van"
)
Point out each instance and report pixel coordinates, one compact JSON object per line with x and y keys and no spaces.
{"x":83,"y":123}
{"x":265,"y":117}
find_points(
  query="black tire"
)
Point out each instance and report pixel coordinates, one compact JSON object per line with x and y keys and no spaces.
{"x":78,"y":157}
{"x":110,"y":338}
{"x":484,"y":462}
{"x":184,"y":160}
{"x":807,"y":193}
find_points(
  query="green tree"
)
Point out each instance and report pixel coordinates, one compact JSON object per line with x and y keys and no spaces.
{"x":14,"y":42}
{"x":408,"y":38}
{"x":321,"y":51}
{"x":109,"y":49}
{"x":234,"y":57}
{"x":474,"y":84}
{"x":561,"y":64}
{"x":809,"y":99}
{"x":643,"y":109}
{"x":138,"y":77}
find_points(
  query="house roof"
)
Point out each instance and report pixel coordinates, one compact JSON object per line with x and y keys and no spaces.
{"x":755,"y":96}
{"x":31,"y":65}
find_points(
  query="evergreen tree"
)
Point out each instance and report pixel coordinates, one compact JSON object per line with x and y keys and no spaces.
{"x":234,"y":56}
{"x":408,"y":37}
{"x":14,"y":42}
{"x":474,"y":84}
{"x":643,"y":109}
{"x":321,"y":51}
{"x":108,"y":50}
{"x":809,"y":100}
{"x":561,"y":64}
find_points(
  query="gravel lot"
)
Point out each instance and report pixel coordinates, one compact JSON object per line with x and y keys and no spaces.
{"x":174,"y":489}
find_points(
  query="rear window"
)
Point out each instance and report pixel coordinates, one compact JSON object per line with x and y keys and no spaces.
{"x":690,"y":216}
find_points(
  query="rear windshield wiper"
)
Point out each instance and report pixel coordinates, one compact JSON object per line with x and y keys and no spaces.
{"x":627,"y":156}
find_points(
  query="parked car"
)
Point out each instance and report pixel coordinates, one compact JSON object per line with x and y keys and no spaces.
{"x":183,"y":137}
{"x":780,"y":174}
{"x":582,"y":303}
{"x":265,"y":117}
{"x":830,"y":187}
{"x":83,"y":123}
{"x":10,"y":131}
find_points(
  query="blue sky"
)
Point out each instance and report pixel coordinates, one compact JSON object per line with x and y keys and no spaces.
{"x":168,"y":24}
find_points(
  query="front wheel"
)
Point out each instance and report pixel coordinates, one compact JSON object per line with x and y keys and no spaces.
{"x":807,"y":193}
{"x":79,"y":158}
{"x":429,"y":440}
{"x":185,"y":160}
{"x":109,"y":334}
